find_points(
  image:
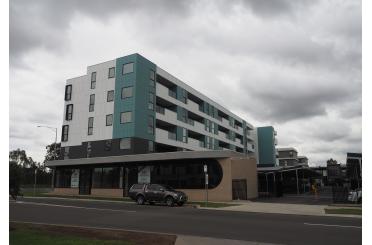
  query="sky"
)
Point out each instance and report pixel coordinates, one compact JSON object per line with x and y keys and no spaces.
{"x":295,"y":65}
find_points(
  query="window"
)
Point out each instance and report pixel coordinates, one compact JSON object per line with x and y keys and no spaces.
{"x":125,"y":144}
{"x":151,"y":101}
{"x":126,"y":117}
{"x":90,"y":125}
{"x":152,"y":78}
{"x":150,"y":127}
{"x":69,"y":109}
{"x":63,"y":178}
{"x":68,"y":92}
{"x":106,"y":177}
{"x":110,"y":95}
{"x":109,"y":120}
{"x":93,"y":80}
{"x":184,"y":135}
{"x":126,"y":92}
{"x":108,"y":145}
{"x":128,"y":68}
{"x":111,"y":73}
{"x":91,"y":102}
{"x":64,"y":133}
{"x":151,"y":146}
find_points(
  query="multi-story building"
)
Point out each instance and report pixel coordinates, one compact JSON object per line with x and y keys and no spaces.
{"x":130,"y":106}
{"x":266,"y":152}
{"x":128,"y":121}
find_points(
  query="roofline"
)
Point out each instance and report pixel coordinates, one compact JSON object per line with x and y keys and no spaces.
{"x":287,"y":149}
{"x":145,"y":157}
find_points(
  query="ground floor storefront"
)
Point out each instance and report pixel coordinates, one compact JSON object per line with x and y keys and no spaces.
{"x":230,"y":175}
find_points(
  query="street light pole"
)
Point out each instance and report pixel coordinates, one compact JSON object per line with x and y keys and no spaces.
{"x":55,"y":139}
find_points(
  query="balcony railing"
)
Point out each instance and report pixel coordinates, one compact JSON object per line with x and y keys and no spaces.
{"x":190,"y":121}
{"x":160,"y":109}
{"x":172,"y":136}
{"x":173,"y":94}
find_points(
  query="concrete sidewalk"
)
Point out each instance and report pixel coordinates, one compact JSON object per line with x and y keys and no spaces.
{"x":196,"y":240}
{"x":281,"y":208}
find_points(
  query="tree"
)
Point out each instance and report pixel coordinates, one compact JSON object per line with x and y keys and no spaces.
{"x":50,"y":152}
{"x":15,"y":176}
{"x":331,"y":162}
{"x":20,"y":157}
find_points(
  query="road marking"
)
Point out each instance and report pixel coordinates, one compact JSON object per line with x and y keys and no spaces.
{"x":68,"y":206}
{"x":343,"y":226}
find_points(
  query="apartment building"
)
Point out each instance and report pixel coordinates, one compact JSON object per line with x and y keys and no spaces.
{"x":288,"y":156}
{"x":131,"y":106}
{"x":266,"y":153}
{"x":128,"y":121}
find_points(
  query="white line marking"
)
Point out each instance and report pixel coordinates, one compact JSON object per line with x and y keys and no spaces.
{"x":343,"y":226}
{"x":67,"y":206}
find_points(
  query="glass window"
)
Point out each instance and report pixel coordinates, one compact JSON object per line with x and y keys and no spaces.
{"x":108,"y":145}
{"x":126,"y":117}
{"x":109,"y":120}
{"x":69,"y":109}
{"x":63,"y":178}
{"x":90,"y":125}
{"x":64,"y":133}
{"x":91,"y":102}
{"x":126,"y":92}
{"x":125,"y":144}
{"x":128,"y":68}
{"x":150,"y":128}
{"x":68,"y":92}
{"x":151,"y":101}
{"x":151,"y":146}
{"x":184,"y":135}
{"x":93,"y":80}
{"x":111,"y":73}
{"x":110,"y":95}
{"x":152,"y":75}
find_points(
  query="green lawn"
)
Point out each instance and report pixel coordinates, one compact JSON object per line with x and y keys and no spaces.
{"x":354,"y":211}
{"x":31,"y":237}
{"x":40,"y":194}
{"x":214,"y":204}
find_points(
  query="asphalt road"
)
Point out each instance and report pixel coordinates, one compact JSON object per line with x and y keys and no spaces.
{"x":259,"y":227}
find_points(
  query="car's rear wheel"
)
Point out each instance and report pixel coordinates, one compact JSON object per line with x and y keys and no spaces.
{"x":169,"y":201}
{"x":140,"y":200}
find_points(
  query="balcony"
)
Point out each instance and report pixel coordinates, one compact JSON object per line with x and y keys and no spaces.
{"x":172,"y":136}
{"x":192,"y":105}
{"x":190,"y":121}
{"x":172,"y":94}
{"x":160,"y":110}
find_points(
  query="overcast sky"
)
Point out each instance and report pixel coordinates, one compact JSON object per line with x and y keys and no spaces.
{"x":295,"y":65}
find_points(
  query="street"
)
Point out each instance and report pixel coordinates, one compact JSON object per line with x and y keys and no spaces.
{"x":259,"y":227}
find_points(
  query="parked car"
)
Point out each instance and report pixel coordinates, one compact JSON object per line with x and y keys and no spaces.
{"x":155,"y":193}
{"x":355,"y":196}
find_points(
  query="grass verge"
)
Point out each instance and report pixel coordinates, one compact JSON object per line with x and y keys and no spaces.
{"x":213,"y":204}
{"x":124,"y":199}
{"x":40,"y":234}
{"x":33,"y":237}
{"x":353,"y":211}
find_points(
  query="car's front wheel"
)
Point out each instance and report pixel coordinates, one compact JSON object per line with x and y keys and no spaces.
{"x":169,"y":201}
{"x":140,"y":200}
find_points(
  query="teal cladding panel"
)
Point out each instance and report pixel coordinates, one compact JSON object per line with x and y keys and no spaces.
{"x":266,"y":145}
{"x":138,"y":104}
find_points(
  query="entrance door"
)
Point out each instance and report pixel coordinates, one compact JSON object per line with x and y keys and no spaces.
{"x":85,"y":181}
{"x":239,"y":189}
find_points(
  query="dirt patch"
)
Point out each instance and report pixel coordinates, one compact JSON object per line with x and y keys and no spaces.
{"x":138,"y":238}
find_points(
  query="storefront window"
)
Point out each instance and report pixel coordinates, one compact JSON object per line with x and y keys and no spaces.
{"x":106,"y":177}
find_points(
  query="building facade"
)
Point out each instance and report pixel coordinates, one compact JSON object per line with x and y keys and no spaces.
{"x":288,"y":156}
{"x":128,"y":121}
{"x":266,"y":146}
{"x":131,"y":106}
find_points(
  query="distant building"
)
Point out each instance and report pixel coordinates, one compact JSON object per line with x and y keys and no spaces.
{"x":266,"y":142}
{"x":354,"y":169}
{"x":289,"y":157}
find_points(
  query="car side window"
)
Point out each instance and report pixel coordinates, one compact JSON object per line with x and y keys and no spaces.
{"x":155,"y":187}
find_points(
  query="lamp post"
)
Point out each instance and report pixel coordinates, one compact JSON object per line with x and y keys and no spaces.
{"x":55,"y":140}
{"x":55,"y":152}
